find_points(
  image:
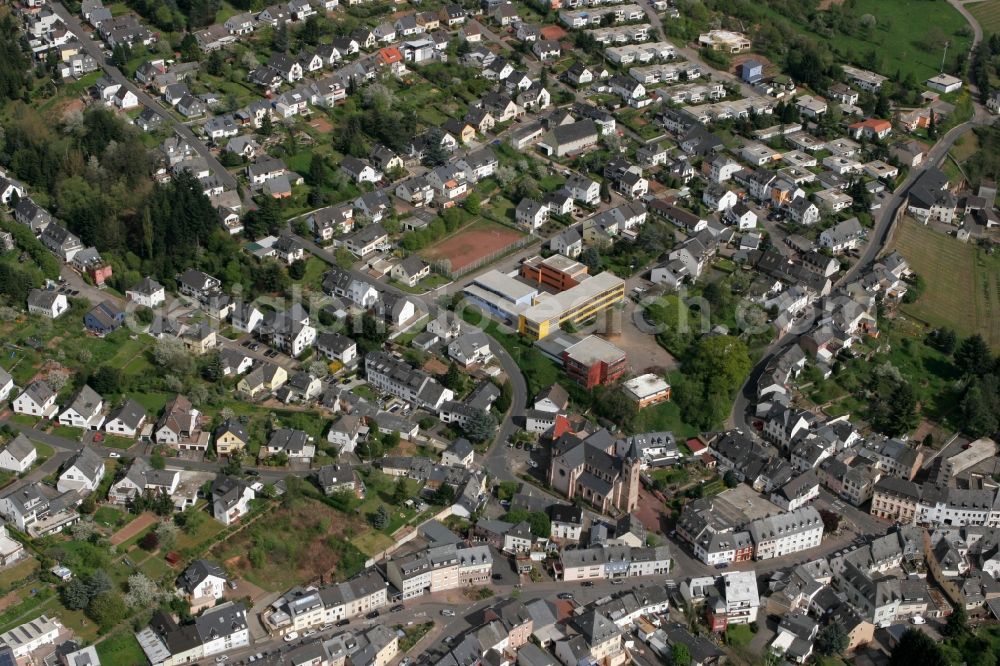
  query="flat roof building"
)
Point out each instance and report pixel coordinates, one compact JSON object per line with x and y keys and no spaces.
{"x":557,"y":271}
{"x":573,"y":306}
{"x":594,"y":361}
{"x":647,"y":389}
{"x":500,"y":294}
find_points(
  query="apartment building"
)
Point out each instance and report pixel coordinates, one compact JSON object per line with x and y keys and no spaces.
{"x":302,"y":608}
{"x":613,"y":562}
{"x":396,"y":377}
{"x":741,"y":597}
{"x":896,"y":500}
{"x":786,"y":533}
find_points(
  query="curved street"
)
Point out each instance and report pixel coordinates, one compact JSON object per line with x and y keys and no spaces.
{"x":878,"y":237}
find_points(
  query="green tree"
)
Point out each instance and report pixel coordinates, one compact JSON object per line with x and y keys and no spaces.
{"x":98,"y":582}
{"x":973,"y":357}
{"x":957,"y":624}
{"x":832,"y":639}
{"x":156,"y":461}
{"x":729,"y":478}
{"x":445,"y":494}
{"x":435,"y":154}
{"x":714,"y":368}
{"x":108,"y":610}
{"x":318,"y":173}
{"x":472,"y":204}
{"x":279,"y":40}
{"x":480,"y":426}
{"x":189,"y":48}
{"x":400,"y":493}
{"x":541,"y":525}
{"x":978,"y":408}
{"x":680,"y":655}
{"x":591,"y":258}
{"x":916,"y":647}
{"x":106,"y":379}
{"x":380,"y":519}
{"x":453,"y":378}
{"x":506,"y":397}
{"x":75,"y":595}
{"x":612,"y":404}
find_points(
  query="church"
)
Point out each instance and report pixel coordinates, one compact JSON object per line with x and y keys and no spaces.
{"x":589,"y":469}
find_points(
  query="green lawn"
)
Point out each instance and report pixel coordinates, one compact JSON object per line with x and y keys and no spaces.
{"x":950,"y":268}
{"x":156,"y":568}
{"x":206,"y":532}
{"x":739,"y":635}
{"x":67,"y":432}
{"x":44,"y":451}
{"x":664,"y":416}
{"x":109,"y":516}
{"x":25,"y":611}
{"x":908,"y":36}
{"x":16,"y":574}
{"x":121,"y":648}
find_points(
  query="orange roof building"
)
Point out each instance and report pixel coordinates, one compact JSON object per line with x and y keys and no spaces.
{"x":389,"y":56}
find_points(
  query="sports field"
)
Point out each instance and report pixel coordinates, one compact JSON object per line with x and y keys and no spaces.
{"x":962,"y":282}
{"x":476,"y":243}
{"x":987,"y":13}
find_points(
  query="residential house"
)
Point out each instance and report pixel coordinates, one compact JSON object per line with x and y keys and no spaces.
{"x":84,"y":410}
{"x":18,"y":455}
{"x":38,"y":399}
{"x":47,"y":303}
{"x":82,"y":473}
{"x":126,"y":420}
{"x":230,"y":499}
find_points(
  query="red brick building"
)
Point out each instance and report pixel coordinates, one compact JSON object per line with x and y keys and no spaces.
{"x":594,"y":361}
{"x":557,"y":272}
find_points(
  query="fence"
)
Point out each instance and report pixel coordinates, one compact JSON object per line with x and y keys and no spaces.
{"x":444,"y":267}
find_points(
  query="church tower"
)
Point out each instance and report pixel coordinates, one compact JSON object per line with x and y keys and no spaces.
{"x":631,"y":466}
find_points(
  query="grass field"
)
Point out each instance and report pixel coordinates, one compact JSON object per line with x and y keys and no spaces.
{"x":962,"y":282}
{"x":987,"y":13}
{"x":121,"y":648}
{"x":898,"y":40}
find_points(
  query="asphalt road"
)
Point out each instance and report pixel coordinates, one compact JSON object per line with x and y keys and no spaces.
{"x":495,"y":461}
{"x":96,"y":50}
{"x":878,"y":238}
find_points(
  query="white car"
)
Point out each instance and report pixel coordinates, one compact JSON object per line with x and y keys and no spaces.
{"x":222,"y":658}
{"x":291,"y":636}
{"x":114,"y":454}
{"x":916,"y":619}
{"x":447,"y":612}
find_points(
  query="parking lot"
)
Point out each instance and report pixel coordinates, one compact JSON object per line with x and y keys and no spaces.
{"x":744,"y":503}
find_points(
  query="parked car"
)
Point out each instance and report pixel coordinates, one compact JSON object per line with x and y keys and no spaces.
{"x":565,"y":595}
{"x":114,"y":454}
{"x":374,"y":614}
{"x":291,"y":636}
{"x":396,"y":608}
{"x":447,"y":612}
{"x":342,"y":623}
{"x":916,"y":619}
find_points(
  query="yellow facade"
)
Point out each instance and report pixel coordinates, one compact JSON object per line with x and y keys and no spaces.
{"x":575,"y":315}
